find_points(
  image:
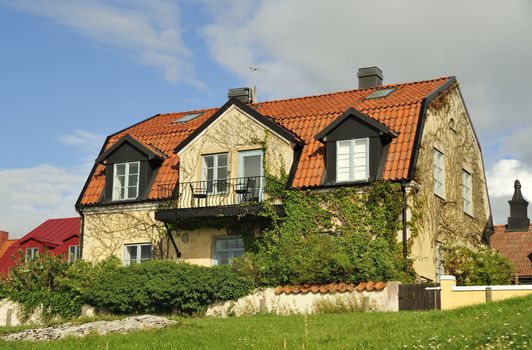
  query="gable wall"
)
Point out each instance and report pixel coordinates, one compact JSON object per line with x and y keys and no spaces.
{"x":439,"y":219}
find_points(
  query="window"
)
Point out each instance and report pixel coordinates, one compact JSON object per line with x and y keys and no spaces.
{"x":215,"y":172}
{"x":126,"y":181}
{"x":380,"y":93}
{"x":188,"y":117}
{"x":137,"y":253}
{"x":31,"y":253}
{"x":352,"y":160}
{"x":438,"y":170}
{"x":467,"y":193}
{"x":227,"y":248}
{"x":73,"y":253}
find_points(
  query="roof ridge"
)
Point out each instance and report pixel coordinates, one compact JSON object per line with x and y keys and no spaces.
{"x":352,"y":90}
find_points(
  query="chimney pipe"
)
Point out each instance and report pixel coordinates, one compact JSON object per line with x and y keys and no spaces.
{"x":4,"y":236}
{"x":369,"y":77}
{"x":518,"y":220}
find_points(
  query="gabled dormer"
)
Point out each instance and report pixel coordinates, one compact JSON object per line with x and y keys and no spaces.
{"x":129,"y":169}
{"x":355,"y":148}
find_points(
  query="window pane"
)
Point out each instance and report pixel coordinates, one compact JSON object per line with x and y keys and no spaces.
{"x":120,"y":169}
{"x":209,"y":161}
{"x":131,"y":253}
{"x":132,"y":192}
{"x":222,"y":160}
{"x":145,"y":252}
{"x":132,"y":180}
{"x":210,"y":174}
{"x":133,"y":168}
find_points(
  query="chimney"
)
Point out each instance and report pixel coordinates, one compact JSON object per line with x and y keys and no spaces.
{"x":518,"y":220}
{"x":4,"y":236}
{"x":369,"y":77}
{"x":245,"y":94}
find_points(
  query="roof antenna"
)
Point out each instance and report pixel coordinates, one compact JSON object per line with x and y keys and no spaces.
{"x":252,"y":70}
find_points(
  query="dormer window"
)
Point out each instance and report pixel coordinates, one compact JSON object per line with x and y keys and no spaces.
{"x":352,"y":160}
{"x":126,"y":181}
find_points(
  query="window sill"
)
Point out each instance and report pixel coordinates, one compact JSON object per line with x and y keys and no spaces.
{"x":440,"y":197}
{"x":469,"y":214}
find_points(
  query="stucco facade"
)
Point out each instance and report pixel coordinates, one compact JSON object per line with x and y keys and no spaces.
{"x":442,"y":220}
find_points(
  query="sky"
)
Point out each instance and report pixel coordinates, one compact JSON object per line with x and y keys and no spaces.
{"x":72,"y":72}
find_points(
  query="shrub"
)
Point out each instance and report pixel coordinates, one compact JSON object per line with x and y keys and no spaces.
{"x":164,"y":286}
{"x":37,"y":283}
{"x":339,"y":235}
{"x":477,"y":266}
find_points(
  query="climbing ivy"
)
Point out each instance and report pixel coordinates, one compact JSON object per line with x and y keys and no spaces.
{"x":345,"y":234}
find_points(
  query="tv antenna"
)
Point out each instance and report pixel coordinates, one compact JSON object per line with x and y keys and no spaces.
{"x":252,"y":70}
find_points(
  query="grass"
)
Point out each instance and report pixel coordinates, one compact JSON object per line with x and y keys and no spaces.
{"x":501,"y":325}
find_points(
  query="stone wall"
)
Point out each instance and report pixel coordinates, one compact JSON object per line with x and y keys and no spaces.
{"x":267,"y":301}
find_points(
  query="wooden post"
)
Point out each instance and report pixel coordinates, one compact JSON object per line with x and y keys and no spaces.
{"x":516,"y":278}
{"x":488,"y":294}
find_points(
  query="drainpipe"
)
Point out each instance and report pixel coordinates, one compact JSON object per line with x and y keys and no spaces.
{"x":169,"y":233}
{"x":405,"y":247}
{"x":81,"y":230}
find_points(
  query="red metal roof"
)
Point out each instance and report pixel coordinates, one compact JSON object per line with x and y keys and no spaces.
{"x":305,"y":117}
{"x":54,"y":231}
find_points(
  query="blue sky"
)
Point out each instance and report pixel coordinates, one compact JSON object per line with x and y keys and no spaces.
{"x":72,"y":72}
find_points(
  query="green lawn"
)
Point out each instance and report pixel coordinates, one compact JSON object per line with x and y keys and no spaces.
{"x":503,"y":325}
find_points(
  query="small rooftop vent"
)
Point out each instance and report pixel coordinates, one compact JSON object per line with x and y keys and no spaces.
{"x":245,"y":94}
{"x":369,"y":77}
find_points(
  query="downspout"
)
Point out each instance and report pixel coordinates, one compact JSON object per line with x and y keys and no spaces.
{"x":81,"y":230}
{"x":169,"y":234}
{"x":405,"y":245}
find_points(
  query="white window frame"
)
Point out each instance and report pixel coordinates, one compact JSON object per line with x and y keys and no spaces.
{"x":352,"y":160}
{"x":128,"y":260}
{"x":215,"y":177}
{"x":467,"y":192}
{"x":438,"y":172}
{"x":73,"y":256}
{"x":216,"y":252}
{"x":127,"y":185}
{"x":32,"y":252}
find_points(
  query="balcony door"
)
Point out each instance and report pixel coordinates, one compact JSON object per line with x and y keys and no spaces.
{"x":250,"y":172}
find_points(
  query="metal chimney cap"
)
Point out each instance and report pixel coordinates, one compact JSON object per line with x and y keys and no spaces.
{"x":369,"y":71}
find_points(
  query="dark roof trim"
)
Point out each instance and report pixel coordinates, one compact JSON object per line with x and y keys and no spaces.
{"x":298,"y":150}
{"x":353,"y":112}
{"x":78,"y":202}
{"x":43,"y":241}
{"x":151,"y":152}
{"x":421,"y":124}
{"x":287,"y":135}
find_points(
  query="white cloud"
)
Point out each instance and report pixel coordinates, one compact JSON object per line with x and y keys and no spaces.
{"x":86,"y":140}
{"x":501,"y":179}
{"x":149,"y":30}
{"x":32,"y":195}
{"x":316,"y":46}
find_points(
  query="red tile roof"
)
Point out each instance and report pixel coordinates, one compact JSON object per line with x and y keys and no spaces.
{"x":305,"y":117}
{"x":516,"y":246}
{"x":7,"y":244}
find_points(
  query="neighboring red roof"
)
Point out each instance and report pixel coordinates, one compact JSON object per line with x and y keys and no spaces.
{"x":305,"y":117}
{"x":4,"y":247}
{"x":54,"y":231}
{"x":516,"y":246}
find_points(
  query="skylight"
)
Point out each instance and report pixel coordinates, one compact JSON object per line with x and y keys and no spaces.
{"x":188,"y":117}
{"x":380,"y":93}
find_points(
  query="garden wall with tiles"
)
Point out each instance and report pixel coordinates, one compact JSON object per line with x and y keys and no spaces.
{"x":332,"y":297}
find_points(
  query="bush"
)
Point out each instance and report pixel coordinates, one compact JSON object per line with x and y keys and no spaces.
{"x":477,"y":266}
{"x":164,"y":286}
{"x":40,"y":282}
{"x":337,"y":236}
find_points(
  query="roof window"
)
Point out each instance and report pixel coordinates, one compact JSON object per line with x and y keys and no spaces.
{"x":188,"y":117}
{"x":380,"y":93}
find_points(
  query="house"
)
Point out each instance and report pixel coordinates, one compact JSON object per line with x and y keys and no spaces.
{"x":195,"y":169}
{"x":514,"y":240}
{"x":56,"y":236}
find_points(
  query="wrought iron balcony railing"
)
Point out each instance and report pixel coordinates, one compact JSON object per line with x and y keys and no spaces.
{"x":225,"y":192}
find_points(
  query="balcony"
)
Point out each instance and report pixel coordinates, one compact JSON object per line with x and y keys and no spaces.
{"x":236,"y":195}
